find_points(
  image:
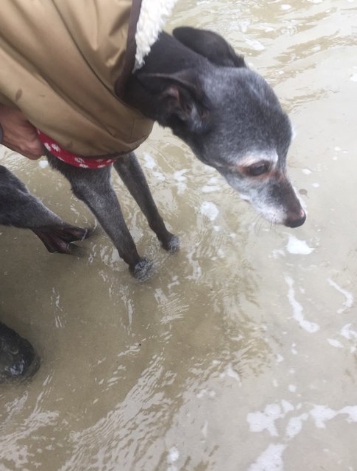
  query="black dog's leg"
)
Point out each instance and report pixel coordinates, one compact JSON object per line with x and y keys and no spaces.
{"x":133,"y":177}
{"x":94,"y":188}
{"x":19,"y":208}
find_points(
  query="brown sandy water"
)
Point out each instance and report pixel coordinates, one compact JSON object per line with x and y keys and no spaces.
{"x":240,"y":354}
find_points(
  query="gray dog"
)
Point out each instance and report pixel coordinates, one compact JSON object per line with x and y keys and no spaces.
{"x":194,"y":83}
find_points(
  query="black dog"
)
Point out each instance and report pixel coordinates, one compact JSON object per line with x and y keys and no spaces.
{"x":194,"y":83}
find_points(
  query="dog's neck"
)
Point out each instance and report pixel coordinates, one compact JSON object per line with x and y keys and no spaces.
{"x":167,"y":56}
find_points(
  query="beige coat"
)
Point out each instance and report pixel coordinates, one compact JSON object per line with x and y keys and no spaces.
{"x":59,"y":63}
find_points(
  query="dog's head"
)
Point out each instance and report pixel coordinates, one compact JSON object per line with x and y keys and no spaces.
{"x":233,"y":121}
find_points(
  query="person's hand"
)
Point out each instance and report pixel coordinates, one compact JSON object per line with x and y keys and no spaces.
{"x":18,"y":134}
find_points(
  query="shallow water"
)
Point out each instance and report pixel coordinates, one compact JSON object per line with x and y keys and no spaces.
{"x":240,"y":354}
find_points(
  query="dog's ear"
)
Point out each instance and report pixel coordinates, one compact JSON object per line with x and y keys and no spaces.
{"x":181,"y":101}
{"x":210,"y":45}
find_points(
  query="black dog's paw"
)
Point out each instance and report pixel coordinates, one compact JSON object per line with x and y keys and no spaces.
{"x":143,"y":270}
{"x":18,"y":359}
{"x":172,"y":244}
{"x":59,"y":239}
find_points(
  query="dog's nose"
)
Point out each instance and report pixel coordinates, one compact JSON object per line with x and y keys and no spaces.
{"x":296,"y":220}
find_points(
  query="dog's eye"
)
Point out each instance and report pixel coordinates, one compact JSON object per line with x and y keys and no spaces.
{"x":258,"y":169}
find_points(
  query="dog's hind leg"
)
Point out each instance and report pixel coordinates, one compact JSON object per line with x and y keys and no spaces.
{"x":94,"y":188}
{"x":133,"y":177}
{"x":19,"y":208}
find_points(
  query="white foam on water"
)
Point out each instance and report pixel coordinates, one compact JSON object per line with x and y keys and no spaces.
{"x":270,"y":460}
{"x":220,"y":253}
{"x":285,"y":6}
{"x":181,"y":180}
{"x":287,"y":406}
{"x":353,"y":78}
{"x":297,"y":246}
{"x":279,"y":358}
{"x":151,"y":164}
{"x":206,"y":392}
{"x":209,"y":210}
{"x":321,"y":414}
{"x":255,"y":44}
{"x":229,"y":371}
{"x":298,"y":309}
{"x":180,"y":175}
{"x":149,"y":161}
{"x":161,"y":177}
{"x":210,"y":188}
{"x":348,"y":333}
{"x":204,"y":429}
{"x":349,"y":296}
{"x":43,"y":163}
{"x":351,"y":411}
{"x":259,"y":421}
{"x":294,"y":426}
{"x":173,"y":455}
{"x":211,"y":185}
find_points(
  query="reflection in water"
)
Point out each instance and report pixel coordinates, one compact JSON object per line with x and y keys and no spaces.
{"x":240,"y":354}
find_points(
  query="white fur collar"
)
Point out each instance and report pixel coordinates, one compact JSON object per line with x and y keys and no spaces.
{"x":152,"y":18}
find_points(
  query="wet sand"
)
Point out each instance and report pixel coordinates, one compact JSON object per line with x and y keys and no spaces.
{"x":240,"y":354}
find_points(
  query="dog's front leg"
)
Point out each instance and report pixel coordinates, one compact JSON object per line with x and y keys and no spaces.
{"x":133,"y":177}
{"x":94,"y":188}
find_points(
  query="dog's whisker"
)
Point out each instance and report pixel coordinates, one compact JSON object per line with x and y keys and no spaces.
{"x":259,"y":224}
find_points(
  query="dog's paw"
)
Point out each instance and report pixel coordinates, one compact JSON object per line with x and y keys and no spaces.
{"x":172,"y":244}
{"x":143,"y":270}
{"x":58,"y":239}
{"x":18,"y":359}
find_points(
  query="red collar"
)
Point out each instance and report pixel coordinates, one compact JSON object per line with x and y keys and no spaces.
{"x":72,"y":159}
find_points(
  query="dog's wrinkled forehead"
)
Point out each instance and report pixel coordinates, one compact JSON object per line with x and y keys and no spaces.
{"x":244,"y":85}
{"x":248,"y":116}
